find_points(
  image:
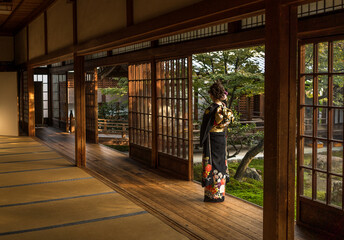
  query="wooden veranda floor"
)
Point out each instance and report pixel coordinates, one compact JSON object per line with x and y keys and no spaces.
{"x":176,"y":202}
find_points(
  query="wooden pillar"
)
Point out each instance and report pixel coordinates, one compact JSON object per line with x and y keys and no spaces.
{"x":66,"y":105}
{"x":50,"y":100}
{"x":31,"y":102}
{"x":280,"y":121}
{"x":154,"y":161}
{"x":95,"y":110}
{"x":80,"y":111}
{"x":190,"y":122}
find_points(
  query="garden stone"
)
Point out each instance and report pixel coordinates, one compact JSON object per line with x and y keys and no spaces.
{"x":252,"y":173}
{"x":322,"y":162}
{"x":337,"y":191}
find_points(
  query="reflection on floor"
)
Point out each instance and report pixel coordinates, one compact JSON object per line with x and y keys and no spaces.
{"x":43,"y":196}
{"x":178,"y":203}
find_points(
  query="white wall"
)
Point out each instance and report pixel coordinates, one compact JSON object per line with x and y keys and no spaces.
{"x":8,"y":104}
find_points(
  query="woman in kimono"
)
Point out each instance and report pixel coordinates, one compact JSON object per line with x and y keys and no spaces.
{"x":213,"y":139}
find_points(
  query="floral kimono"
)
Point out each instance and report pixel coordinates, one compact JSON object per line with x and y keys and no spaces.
{"x":213,"y":139}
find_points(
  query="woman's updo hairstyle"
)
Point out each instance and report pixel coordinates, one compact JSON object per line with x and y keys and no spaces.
{"x":217,"y":90}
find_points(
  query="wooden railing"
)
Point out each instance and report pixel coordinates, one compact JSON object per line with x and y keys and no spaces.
{"x":112,"y":126}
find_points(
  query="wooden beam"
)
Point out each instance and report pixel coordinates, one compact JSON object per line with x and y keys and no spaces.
{"x":31,"y":102}
{"x":176,"y":22}
{"x":80,"y":111}
{"x":12,"y":14}
{"x":331,"y":24}
{"x":233,"y":40}
{"x":202,"y":14}
{"x":61,"y":69}
{"x":297,"y":2}
{"x":34,"y":14}
{"x":280,"y":122}
{"x":53,"y":57}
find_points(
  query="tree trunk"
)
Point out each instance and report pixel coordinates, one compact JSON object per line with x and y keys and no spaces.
{"x":247,"y":160}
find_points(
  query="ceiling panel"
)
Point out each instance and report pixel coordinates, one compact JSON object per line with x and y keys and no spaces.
{"x":22,"y":13}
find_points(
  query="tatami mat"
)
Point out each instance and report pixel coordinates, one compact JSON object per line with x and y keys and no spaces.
{"x":43,"y":196}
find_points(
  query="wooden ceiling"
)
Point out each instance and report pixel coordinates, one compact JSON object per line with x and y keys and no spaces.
{"x":23,"y":12}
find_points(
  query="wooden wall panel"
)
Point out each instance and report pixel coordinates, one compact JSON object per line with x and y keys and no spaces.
{"x":60,"y":25}
{"x":20,"y":47}
{"x":96,"y":18}
{"x":36,"y":37}
{"x":156,"y":8}
{"x":8,"y":104}
{"x":6,"y":48}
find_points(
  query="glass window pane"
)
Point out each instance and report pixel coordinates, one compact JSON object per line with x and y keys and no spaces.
{"x":323,"y":57}
{"x":337,"y":158}
{"x":45,"y":104}
{"x":338,"y":56}
{"x":45,"y":87}
{"x":322,"y":122}
{"x":45,"y":78}
{"x":308,"y":121}
{"x":45,"y":113}
{"x":309,"y":90}
{"x":307,"y":183}
{"x":323,"y":90}
{"x":322,"y":155}
{"x":336,"y":191}
{"x":338,"y":89}
{"x":321,"y":186}
{"x":307,"y":152}
{"x":338,"y":115}
{"x":309,"y":58}
{"x":55,"y":77}
{"x":45,"y":96}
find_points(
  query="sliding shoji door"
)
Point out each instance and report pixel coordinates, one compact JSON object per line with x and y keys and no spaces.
{"x":320,"y":134}
{"x":140,"y":111}
{"x":91,"y":85}
{"x":174,"y":113}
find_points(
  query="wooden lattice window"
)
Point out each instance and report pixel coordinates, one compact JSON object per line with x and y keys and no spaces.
{"x":59,"y":100}
{"x":140,"y":105}
{"x":320,"y":136}
{"x":91,"y":89}
{"x":172,"y":98}
{"x":55,"y":96}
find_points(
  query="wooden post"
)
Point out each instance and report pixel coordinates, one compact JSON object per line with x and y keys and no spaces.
{"x":280,"y":121}
{"x":154,"y":162}
{"x":80,"y":111}
{"x":66,"y":105}
{"x":95,"y":110}
{"x":190,"y":125}
{"x":31,"y":93}
{"x":50,"y":100}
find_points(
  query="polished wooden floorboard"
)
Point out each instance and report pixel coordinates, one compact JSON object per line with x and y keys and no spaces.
{"x":178,"y":203}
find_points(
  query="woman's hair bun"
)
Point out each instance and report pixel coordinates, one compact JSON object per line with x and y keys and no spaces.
{"x":217,"y":90}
